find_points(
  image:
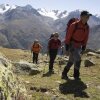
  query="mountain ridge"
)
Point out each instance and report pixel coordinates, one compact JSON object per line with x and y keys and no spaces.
{"x":20,"y":26}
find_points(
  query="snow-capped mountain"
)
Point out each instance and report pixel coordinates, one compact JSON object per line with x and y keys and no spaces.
{"x":19,"y":26}
{"x":55,"y":14}
{"x":6,"y":7}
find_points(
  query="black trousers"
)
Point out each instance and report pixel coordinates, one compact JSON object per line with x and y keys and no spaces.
{"x":35,"y":57}
{"x":52,"y":55}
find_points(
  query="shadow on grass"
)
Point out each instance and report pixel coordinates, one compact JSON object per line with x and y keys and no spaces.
{"x":48,"y":74}
{"x":75,"y":87}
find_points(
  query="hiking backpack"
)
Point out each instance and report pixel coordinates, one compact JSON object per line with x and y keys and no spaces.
{"x":36,"y":48}
{"x":70,"y":22}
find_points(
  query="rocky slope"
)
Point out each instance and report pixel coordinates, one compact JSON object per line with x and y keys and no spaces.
{"x":16,"y":80}
{"x":10,"y":86}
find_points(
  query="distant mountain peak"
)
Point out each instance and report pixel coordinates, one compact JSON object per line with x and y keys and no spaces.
{"x":6,"y":7}
{"x":29,"y":6}
{"x":55,"y":14}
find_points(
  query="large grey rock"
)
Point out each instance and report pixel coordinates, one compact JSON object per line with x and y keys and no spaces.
{"x":24,"y":67}
{"x":90,"y":50}
{"x":91,"y":54}
{"x":88,"y":63}
{"x":34,"y":71}
{"x":9,"y":82}
{"x":4,"y":60}
{"x":98,"y":51}
{"x":2,"y":95}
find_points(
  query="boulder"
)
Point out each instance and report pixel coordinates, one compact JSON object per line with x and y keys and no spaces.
{"x":91,"y":54}
{"x":34,"y":71}
{"x":24,"y":67}
{"x":88,"y":63}
{"x":90,"y":50}
{"x":10,"y":85}
{"x":98,"y":51}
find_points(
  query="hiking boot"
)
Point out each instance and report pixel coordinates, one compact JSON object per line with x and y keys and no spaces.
{"x":65,"y":77}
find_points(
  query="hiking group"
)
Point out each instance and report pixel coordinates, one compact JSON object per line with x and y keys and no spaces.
{"x":76,"y":38}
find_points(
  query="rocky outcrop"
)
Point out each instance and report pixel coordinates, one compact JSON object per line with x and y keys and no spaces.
{"x":93,"y":54}
{"x":90,"y":50}
{"x":23,"y":67}
{"x":88,"y":63}
{"x":10,"y":85}
{"x":98,"y":51}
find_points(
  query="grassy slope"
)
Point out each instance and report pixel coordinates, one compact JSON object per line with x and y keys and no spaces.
{"x":47,"y":87}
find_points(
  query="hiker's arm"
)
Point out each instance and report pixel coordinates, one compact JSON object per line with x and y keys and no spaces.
{"x":59,"y":43}
{"x":85,"y":41}
{"x":66,"y":47}
{"x":69,"y":36}
{"x":48,"y":47}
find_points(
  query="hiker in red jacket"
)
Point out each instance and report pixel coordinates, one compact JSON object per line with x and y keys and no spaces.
{"x":75,"y":43}
{"x":53,"y":45}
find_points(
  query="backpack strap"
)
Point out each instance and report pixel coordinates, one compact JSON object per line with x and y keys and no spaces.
{"x":76,"y":27}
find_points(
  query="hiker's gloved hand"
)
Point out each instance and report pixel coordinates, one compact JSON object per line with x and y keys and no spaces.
{"x":66,"y":47}
{"x":83,"y":49}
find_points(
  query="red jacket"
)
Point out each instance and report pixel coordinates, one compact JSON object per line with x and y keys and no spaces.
{"x":78,"y":36}
{"x":54,"y":44}
{"x":36,"y":47}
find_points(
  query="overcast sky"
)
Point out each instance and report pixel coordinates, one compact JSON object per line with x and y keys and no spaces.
{"x":93,"y":6}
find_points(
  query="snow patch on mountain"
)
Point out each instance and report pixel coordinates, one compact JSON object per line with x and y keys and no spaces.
{"x":55,"y":14}
{"x":6,"y":7}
